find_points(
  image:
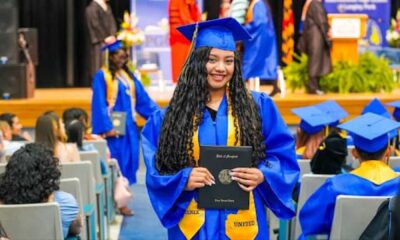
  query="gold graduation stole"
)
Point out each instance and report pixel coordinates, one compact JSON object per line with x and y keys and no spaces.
{"x":375,"y":171}
{"x":112,"y":86}
{"x":243,"y":224}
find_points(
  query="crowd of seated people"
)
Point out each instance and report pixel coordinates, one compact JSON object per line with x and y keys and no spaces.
{"x":32,"y":176}
{"x":60,"y":140}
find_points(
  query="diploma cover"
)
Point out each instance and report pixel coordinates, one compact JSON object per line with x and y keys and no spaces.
{"x":225,"y":193}
{"x":119,"y":122}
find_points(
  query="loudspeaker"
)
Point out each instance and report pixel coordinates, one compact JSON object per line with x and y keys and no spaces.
{"x":8,"y":4}
{"x":8,"y":48}
{"x":8,"y":20}
{"x":31,"y":38}
{"x":17,"y":80}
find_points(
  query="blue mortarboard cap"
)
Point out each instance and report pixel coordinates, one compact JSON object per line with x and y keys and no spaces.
{"x":396,"y":112}
{"x":219,"y":33}
{"x":334,"y":110}
{"x":370,"y":131}
{"x":313,"y":119}
{"x":375,"y":106}
{"x":112,"y":47}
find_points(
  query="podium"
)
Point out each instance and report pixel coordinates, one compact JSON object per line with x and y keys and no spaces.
{"x":346,"y":30}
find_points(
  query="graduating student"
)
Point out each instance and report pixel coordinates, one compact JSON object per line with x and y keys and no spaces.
{"x":116,"y":89}
{"x":211,"y":106}
{"x":260,"y":57}
{"x":330,"y":156}
{"x":373,"y":178}
{"x":311,"y":130}
{"x":315,"y":43}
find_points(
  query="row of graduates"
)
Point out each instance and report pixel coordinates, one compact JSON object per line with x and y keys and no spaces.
{"x":211,"y":106}
{"x":373,"y":137}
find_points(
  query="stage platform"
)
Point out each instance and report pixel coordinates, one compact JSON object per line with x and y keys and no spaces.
{"x":59,"y":99}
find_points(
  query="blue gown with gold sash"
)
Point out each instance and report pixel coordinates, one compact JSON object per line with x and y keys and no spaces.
{"x":260,"y":57}
{"x":170,"y":201}
{"x":372,"y":178}
{"x":124,"y":148}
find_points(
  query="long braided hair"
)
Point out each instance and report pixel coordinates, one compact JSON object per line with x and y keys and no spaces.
{"x":185,"y":113}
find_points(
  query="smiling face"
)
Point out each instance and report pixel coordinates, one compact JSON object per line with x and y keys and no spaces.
{"x":118,"y":58}
{"x":220,"y":67}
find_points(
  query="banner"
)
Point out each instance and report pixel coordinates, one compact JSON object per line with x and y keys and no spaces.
{"x":155,"y":51}
{"x":378,"y":12}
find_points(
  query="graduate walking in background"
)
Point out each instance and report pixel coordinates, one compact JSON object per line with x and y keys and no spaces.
{"x":211,"y":106}
{"x":180,"y":12}
{"x":116,"y":89}
{"x":260,"y":53}
{"x":315,"y":43}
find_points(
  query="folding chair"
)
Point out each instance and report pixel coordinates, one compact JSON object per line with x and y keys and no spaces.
{"x":84,"y":172}
{"x":305,"y":166}
{"x":353,"y":214}
{"x":3,"y":167}
{"x":309,"y":184}
{"x":32,"y":221}
{"x":101,"y":194}
{"x":109,"y":179}
{"x":394,"y":162}
{"x":73,"y":186}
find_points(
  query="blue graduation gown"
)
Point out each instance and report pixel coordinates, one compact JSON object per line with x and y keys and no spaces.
{"x":124,"y":148}
{"x":170,"y":200}
{"x":316,"y":216}
{"x":260,"y":58}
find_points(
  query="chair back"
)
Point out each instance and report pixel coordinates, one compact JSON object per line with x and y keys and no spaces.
{"x":353,"y":214}
{"x":305,"y":166}
{"x":394,"y":162}
{"x":309,"y":184}
{"x":32,"y":221}
{"x":84,"y":172}
{"x":100,"y":145}
{"x":73,"y":186}
{"x":3,"y":167}
{"x":93,"y":157}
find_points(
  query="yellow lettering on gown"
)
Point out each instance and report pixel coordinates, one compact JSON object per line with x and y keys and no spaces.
{"x":192,"y":220}
{"x":243,"y":225}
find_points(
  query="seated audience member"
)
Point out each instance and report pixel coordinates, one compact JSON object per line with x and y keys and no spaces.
{"x":372,"y":178}
{"x":386,"y":223}
{"x":32,"y":176}
{"x":81,"y":115}
{"x":330,"y":157}
{"x":311,"y":130}
{"x":50,"y":132}
{"x":75,"y":132}
{"x":16,"y":127}
{"x":9,"y":146}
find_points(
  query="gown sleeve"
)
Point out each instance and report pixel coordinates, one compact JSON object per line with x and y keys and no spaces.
{"x":280,"y":168}
{"x":316,"y":216}
{"x":166,"y":192}
{"x":145,"y":106}
{"x":101,"y":122}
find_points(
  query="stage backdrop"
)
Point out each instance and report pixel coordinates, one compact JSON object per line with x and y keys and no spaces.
{"x":378,"y":12}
